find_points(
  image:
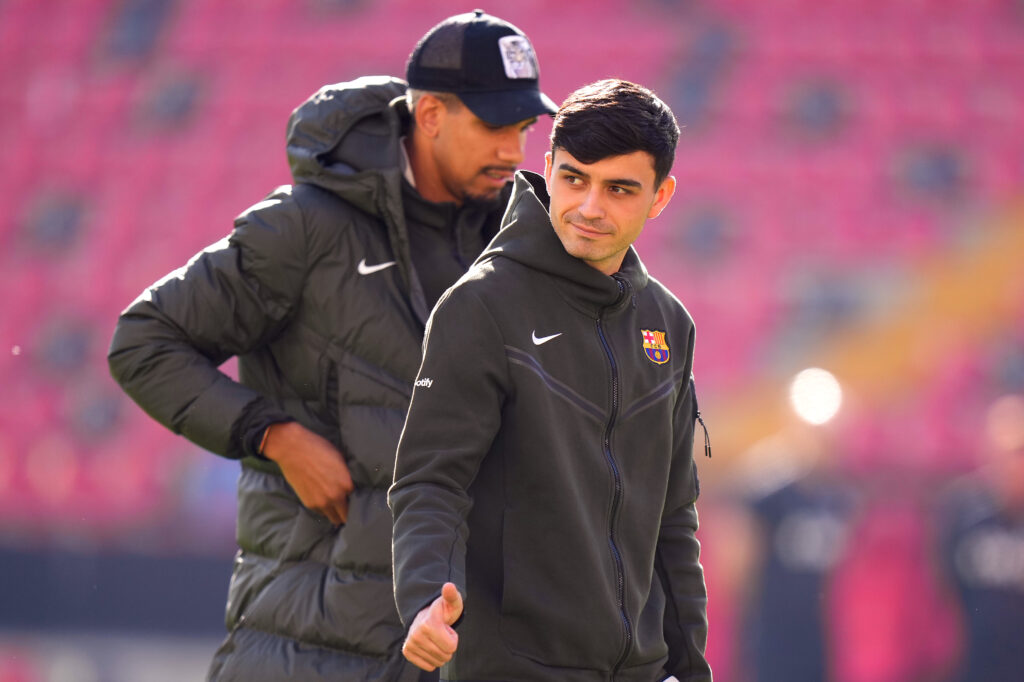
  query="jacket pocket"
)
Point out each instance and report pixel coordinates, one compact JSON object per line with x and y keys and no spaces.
{"x":569,"y":591}
{"x":274,"y":531}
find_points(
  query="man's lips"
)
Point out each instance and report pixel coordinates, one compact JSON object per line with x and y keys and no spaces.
{"x":499,"y":174}
{"x":587,"y":230}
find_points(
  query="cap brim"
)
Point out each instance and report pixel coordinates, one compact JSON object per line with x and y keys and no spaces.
{"x":509,"y":106}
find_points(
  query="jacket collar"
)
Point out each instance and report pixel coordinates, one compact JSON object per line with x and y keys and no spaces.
{"x":346,"y":139}
{"x":527,"y":237}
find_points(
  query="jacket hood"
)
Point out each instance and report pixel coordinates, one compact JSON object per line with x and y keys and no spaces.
{"x":526,"y":236}
{"x":345,"y":139}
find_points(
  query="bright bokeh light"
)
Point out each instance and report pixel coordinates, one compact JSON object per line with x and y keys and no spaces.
{"x":815,"y":395}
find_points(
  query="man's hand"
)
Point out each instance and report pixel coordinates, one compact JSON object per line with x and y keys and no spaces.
{"x":432,"y":641}
{"x":313,"y":467}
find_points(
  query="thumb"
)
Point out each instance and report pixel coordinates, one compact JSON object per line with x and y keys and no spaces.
{"x":452,"y":603}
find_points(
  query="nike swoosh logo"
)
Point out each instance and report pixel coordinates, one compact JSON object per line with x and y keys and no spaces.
{"x":543,"y":339}
{"x":365,"y":269}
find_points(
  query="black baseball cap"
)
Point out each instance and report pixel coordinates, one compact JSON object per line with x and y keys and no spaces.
{"x":487,"y":62}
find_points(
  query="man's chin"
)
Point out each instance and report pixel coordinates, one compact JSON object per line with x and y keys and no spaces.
{"x":489,"y":200}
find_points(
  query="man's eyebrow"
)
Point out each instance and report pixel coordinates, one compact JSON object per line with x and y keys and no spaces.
{"x":625,"y":182}
{"x":572,"y":169}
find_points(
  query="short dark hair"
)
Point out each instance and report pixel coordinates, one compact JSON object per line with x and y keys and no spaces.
{"x":613,"y":117}
{"x":413,"y":96}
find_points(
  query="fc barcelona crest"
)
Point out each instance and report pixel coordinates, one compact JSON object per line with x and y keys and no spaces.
{"x":655,"y":346}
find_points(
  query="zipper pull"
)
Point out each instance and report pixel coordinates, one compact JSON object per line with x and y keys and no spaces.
{"x":707,"y":438}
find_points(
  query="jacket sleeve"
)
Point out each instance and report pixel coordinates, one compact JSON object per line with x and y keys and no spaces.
{"x":678,"y":555}
{"x":230,"y":298}
{"x":453,"y":417}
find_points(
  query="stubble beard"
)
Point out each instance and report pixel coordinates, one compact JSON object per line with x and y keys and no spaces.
{"x":489,"y":200}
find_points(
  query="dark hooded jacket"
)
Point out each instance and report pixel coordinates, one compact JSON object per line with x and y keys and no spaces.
{"x":316,"y":292}
{"x":546,"y":467}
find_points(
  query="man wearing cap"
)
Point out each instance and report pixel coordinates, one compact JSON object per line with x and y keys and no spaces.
{"x":322,"y":291}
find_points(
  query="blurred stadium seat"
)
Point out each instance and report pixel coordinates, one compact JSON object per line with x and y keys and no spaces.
{"x":815,"y":132}
{"x":831,"y":152}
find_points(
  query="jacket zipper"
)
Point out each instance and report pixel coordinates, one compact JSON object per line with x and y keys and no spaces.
{"x":617,"y":494}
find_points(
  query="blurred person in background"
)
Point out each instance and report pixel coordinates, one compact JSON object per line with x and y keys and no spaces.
{"x":794,"y":510}
{"x":840,"y":584}
{"x":322,"y":290}
{"x":981,"y":550}
{"x":546,"y":470}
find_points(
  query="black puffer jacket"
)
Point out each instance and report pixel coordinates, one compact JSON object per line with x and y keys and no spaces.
{"x":546,"y":467}
{"x":316,"y":293}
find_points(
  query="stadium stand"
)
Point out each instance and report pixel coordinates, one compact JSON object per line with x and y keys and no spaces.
{"x":850,"y":179}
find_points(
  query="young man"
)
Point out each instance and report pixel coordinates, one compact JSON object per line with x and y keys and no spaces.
{"x":322,"y":291}
{"x":545,"y":474}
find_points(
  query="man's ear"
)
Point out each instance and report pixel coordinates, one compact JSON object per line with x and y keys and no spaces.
{"x":548,"y":163}
{"x":662,"y":196}
{"x":429,"y":114}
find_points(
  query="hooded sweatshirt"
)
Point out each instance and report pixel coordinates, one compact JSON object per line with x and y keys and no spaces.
{"x":546,"y":467}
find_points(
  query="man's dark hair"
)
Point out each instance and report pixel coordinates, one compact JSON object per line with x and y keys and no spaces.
{"x":613,"y":117}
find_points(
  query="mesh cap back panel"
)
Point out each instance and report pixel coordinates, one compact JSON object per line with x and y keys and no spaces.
{"x":444,"y":51}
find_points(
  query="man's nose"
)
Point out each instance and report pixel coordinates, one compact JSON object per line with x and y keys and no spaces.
{"x":512,"y":147}
{"x":590,"y":207}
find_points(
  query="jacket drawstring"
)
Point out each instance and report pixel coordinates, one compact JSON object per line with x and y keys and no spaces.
{"x":707,"y":438}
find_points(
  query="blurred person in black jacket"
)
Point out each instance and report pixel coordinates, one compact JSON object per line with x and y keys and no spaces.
{"x":791,"y":525}
{"x":981,"y":548}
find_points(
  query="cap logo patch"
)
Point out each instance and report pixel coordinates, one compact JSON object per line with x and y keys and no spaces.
{"x":518,"y":58}
{"x":655,"y":346}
